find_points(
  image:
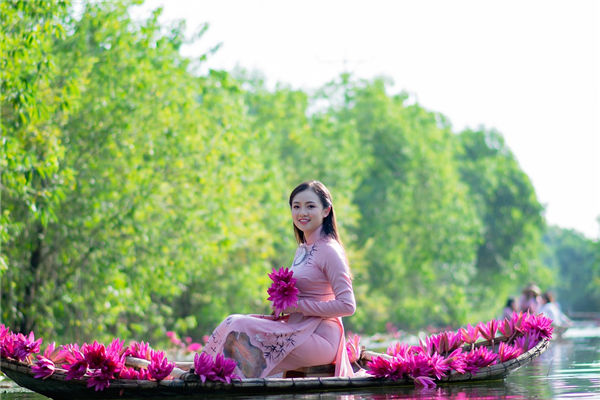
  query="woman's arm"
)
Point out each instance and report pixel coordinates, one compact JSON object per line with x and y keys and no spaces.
{"x":338,"y":274}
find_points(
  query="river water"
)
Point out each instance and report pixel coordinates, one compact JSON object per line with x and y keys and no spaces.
{"x":569,"y":369}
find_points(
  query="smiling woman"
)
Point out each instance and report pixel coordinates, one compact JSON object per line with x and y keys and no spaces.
{"x":310,"y":333}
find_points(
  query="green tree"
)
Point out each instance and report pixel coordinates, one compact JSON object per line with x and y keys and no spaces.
{"x":153,"y":216}
{"x":34,"y":104}
{"x":506,"y":203}
{"x":161,"y":194}
{"x":418,"y":229}
{"x":576,"y":260}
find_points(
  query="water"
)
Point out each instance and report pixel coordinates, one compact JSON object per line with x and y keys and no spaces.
{"x":569,"y":369}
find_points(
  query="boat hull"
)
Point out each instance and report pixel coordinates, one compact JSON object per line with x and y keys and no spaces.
{"x":58,"y":388}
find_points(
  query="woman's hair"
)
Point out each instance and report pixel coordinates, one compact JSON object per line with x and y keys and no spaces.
{"x":329,"y":224}
{"x":548,"y":297}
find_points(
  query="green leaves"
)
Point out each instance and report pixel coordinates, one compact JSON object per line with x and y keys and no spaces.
{"x":161,"y":195}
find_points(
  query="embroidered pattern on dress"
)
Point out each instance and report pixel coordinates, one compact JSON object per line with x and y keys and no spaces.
{"x":276,"y":345}
{"x":301,"y":256}
{"x":309,"y":256}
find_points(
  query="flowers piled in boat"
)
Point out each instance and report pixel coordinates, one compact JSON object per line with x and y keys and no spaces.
{"x":439,"y":355}
{"x":99,"y":364}
{"x":283,"y":292}
{"x":214,"y":369}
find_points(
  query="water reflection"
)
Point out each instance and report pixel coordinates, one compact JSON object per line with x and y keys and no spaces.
{"x":570,"y":368}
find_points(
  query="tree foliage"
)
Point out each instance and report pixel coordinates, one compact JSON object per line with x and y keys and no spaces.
{"x":139,"y":196}
{"x":576,"y":260}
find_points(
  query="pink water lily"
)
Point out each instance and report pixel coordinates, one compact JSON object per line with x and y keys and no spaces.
{"x":51,"y":351}
{"x":193,"y":347}
{"x":223,"y":369}
{"x":94,"y":354}
{"x":508,"y":352}
{"x":132,"y":373}
{"x":512,"y":326}
{"x":139,"y":350}
{"x":8,"y":346}
{"x":470,"y":334}
{"x":159,"y":367}
{"x":446,"y":342}
{"x":419,"y":365}
{"x":399,"y":368}
{"x":203,"y":367}
{"x":353,"y":348}
{"x":527,"y":341}
{"x":128,"y":373}
{"x":395,"y":368}
{"x":4,"y":331}
{"x":488,"y":330}
{"x":379,"y":367}
{"x":397,"y":349}
{"x":78,"y":366}
{"x":173,"y":338}
{"x":479,"y":358}
{"x":116,"y":347}
{"x":429,"y":346}
{"x":24,"y":346}
{"x":283,"y":291}
{"x":43,"y":368}
{"x":539,"y":323}
{"x":439,"y":366}
{"x":456,"y":361}
{"x":98,"y":380}
{"x":66,"y":354}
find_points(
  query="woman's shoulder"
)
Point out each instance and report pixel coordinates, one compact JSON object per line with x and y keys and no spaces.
{"x":329,"y":247}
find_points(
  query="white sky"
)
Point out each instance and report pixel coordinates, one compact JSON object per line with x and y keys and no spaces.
{"x":530,"y":69}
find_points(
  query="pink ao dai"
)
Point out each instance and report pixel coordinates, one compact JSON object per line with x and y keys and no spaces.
{"x":313,"y":334}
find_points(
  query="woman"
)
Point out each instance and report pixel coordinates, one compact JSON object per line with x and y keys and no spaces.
{"x":311,"y":333}
{"x":551,"y":310}
{"x":530,"y":300}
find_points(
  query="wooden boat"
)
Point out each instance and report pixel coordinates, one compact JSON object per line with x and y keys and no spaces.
{"x":188,"y":384}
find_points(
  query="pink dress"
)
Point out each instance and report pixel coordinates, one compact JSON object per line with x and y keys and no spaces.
{"x":313,"y":333}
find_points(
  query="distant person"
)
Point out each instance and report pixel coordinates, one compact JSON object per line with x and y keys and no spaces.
{"x":531,"y":300}
{"x":551,"y":310}
{"x":510,"y":308}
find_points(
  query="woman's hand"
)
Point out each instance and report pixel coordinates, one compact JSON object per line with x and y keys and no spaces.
{"x":291,"y":310}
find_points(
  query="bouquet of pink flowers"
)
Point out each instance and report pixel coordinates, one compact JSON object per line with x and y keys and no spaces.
{"x":283,"y":291}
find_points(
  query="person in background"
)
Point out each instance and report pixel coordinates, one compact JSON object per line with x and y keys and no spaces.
{"x":510,"y":308}
{"x":551,"y":310}
{"x":530,"y":300}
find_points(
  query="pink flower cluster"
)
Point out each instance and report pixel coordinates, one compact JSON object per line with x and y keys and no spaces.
{"x":217,"y":369}
{"x":97,"y":363}
{"x":283,"y":291}
{"x":439,"y":355}
{"x":18,"y":346}
{"x":101,"y":364}
{"x":187,"y":346}
{"x":353,"y":348}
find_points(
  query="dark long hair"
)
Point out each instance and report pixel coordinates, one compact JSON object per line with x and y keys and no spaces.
{"x":329,"y":224}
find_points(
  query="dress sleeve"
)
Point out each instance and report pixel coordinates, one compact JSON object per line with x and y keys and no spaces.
{"x":337,"y":273}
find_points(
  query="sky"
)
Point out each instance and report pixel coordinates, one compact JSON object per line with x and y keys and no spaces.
{"x":529,"y":69}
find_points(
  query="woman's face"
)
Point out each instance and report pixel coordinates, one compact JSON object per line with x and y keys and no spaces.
{"x":308,"y":212}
